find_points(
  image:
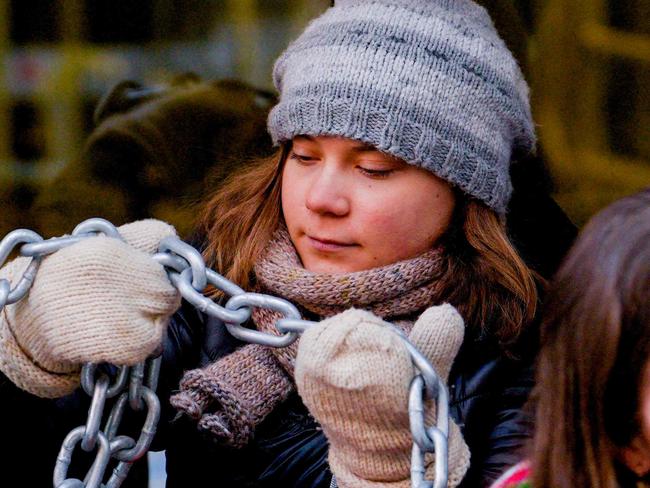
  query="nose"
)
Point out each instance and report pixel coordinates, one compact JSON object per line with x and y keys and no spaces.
{"x":326,"y":194}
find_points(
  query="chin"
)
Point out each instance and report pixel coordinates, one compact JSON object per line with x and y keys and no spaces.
{"x":319,"y":266}
{"x":327,"y":270}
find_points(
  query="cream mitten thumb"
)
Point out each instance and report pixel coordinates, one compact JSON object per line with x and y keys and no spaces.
{"x":438,"y":334}
{"x":145,"y":235}
{"x":98,"y":300}
{"x":353,"y":372}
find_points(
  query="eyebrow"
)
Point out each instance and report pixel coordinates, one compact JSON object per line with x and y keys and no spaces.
{"x":359,"y":146}
{"x":364,"y":147}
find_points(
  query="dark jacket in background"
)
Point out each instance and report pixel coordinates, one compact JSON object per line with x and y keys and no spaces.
{"x":156,"y":152}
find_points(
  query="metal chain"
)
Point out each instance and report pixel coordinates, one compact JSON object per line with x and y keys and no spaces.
{"x":135,"y":386}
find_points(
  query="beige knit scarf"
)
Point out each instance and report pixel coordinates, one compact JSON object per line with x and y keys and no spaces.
{"x":231,"y":396}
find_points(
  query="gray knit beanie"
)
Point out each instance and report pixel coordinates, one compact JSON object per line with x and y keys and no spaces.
{"x":428,"y":81}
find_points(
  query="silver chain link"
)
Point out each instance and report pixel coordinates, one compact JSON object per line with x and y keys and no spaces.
{"x":134,"y":387}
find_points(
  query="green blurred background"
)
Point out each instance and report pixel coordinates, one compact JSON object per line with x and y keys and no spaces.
{"x":588,"y":63}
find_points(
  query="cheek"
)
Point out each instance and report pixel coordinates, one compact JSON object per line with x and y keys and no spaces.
{"x":289,"y":197}
{"x":285,"y":201}
{"x":402,"y":227}
{"x":389,"y":220}
{"x":394,"y":233}
{"x":401,"y":217}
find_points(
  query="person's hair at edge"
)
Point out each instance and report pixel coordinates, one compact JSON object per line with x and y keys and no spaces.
{"x":595,"y":344}
{"x":492,"y":286}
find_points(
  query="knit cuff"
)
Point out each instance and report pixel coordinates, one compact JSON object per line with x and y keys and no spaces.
{"x":233,"y":395}
{"x":25,"y":373}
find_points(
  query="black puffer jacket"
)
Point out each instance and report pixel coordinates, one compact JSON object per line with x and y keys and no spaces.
{"x":487,"y":394}
{"x":487,"y":390}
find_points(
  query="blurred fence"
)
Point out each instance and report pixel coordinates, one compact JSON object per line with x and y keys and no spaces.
{"x":590,"y":67}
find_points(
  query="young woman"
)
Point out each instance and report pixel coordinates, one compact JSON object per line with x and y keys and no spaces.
{"x":593,"y":390}
{"x":396,"y":126}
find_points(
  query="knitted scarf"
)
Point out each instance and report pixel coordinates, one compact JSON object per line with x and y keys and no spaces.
{"x":231,"y":396}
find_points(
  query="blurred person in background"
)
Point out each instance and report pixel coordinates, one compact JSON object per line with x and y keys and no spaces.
{"x":592,"y":397}
{"x":155,"y":151}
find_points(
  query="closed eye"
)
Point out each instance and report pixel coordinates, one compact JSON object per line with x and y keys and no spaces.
{"x":376,"y":173}
{"x":301,"y":158}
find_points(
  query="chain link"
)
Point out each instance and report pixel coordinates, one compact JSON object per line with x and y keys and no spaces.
{"x":5,"y":289}
{"x":19,"y":237}
{"x":94,"y":477}
{"x":134,"y":387}
{"x":95,"y":414}
{"x":432,"y":439}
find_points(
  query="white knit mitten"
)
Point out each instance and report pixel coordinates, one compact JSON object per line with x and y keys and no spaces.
{"x":99,"y":300}
{"x":353,"y":374}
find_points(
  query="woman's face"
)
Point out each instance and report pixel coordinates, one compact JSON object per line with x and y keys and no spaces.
{"x":349,"y":207}
{"x":637,"y":455}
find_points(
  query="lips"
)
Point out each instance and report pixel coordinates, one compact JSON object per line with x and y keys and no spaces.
{"x":328,"y":244}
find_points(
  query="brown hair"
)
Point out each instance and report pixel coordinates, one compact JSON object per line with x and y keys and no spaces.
{"x":489,"y":283}
{"x":241,"y":216}
{"x":595,"y":343}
